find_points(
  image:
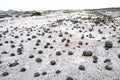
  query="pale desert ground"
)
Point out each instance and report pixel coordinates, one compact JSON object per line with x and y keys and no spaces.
{"x":61,"y":45}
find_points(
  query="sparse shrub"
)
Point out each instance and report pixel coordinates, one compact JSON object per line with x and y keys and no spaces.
{"x":36,"y":74}
{"x":52,"y":62}
{"x":11,"y":41}
{"x":63,"y":39}
{"x":58,"y":53}
{"x":44,"y":73}
{"x":95,"y":59}
{"x":80,"y":30}
{"x":54,"y":40}
{"x":12,"y":54}
{"x":28,"y":39}
{"x":81,"y":67}
{"x":108,"y":44}
{"x":74,"y":21}
{"x":34,"y":36}
{"x":86,"y":43}
{"x":40,"y":52}
{"x":82,"y":37}
{"x":34,"y":48}
{"x":51,"y":47}
{"x":98,"y":20}
{"x":60,"y":21}
{"x":70,"y":35}
{"x":69,"y":78}
{"x":1,"y":44}
{"x":118,"y":55}
{"x":119,"y":41}
{"x":19,"y":53}
{"x":57,"y":71}
{"x":49,"y":36}
{"x":66,"y":44}
{"x":0,"y":35}
{"x":27,"y":34}
{"x":107,"y":60}
{"x":70,"y":53}
{"x":90,"y":35}
{"x":89,"y":18}
{"x":108,"y":67}
{"x":4,"y":52}
{"x":16,"y":36}
{"x":47,"y":43}
{"x":37,"y":44}
{"x":12,"y":46}
{"x":22,"y":69}
{"x":68,"y":41}
{"x":36,"y":13}
{"x":66,"y":32}
{"x":87,"y":53}
{"x":31,"y":56}
{"x":19,"y":50}
{"x":13,"y":64}
{"x":103,"y":37}
{"x":38,"y":60}
{"x":45,"y":46}
{"x":90,"y":29}
{"x":5,"y":74}
{"x":38,"y":40}
{"x":22,"y":41}
{"x":60,"y":34}
{"x":6,"y":42}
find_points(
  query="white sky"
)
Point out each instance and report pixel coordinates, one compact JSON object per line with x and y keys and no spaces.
{"x":56,"y":4}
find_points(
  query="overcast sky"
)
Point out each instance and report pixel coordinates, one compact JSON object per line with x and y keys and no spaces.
{"x":56,"y":4}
